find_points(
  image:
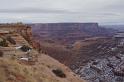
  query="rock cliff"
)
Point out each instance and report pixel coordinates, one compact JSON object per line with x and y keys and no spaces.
{"x":69,"y":31}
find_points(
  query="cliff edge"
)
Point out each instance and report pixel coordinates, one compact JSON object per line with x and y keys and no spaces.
{"x":20,"y":62}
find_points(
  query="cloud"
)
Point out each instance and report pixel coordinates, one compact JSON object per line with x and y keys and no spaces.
{"x":34,"y":10}
{"x":101,"y":11}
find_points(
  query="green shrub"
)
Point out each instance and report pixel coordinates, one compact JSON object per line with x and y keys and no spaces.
{"x":3,"y":43}
{"x":25,"y":48}
{"x":59,"y":73}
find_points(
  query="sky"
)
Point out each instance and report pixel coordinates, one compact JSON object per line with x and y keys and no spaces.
{"x":51,"y":11}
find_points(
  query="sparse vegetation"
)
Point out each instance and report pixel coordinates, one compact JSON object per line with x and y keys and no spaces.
{"x":25,"y":48}
{"x":59,"y":73}
{"x":14,"y":72}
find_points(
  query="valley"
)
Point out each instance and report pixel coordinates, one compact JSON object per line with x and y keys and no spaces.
{"x":79,"y":40}
{"x":90,"y":43}
{"x":87,"y":51}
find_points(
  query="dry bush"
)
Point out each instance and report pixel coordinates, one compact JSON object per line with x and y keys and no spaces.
{"x":25,"y":48}
{"x":59,"y":73}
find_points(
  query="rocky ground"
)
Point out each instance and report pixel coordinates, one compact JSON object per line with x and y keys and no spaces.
{"x":109,"y":69}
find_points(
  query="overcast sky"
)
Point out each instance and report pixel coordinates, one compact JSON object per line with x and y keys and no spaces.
{"x":101,"y":11}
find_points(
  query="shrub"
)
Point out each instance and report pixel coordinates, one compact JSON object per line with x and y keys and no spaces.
{"x":3,"y":43}
{"x":11,"y":40}
{"x":59,"y":73}
{"x":25,"y":48}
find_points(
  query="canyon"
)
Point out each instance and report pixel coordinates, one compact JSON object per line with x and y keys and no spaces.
{"x":21,"y":62}
{"x":60,"y":52}
{"x":108,"y":69}
{"x":88,"y":49}
{"x":73,"y":41}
